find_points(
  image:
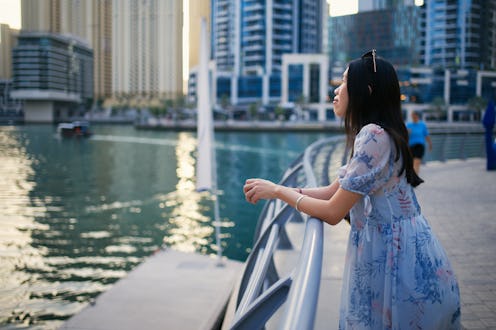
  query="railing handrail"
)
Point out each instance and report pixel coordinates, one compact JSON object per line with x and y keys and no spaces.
{"x":259,"y":298}
{"x":304,"y":292}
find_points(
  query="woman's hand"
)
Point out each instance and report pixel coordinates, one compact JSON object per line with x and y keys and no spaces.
{"x":256,"y":189}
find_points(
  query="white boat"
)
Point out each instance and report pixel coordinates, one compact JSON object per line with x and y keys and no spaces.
{"x":74,"y":129}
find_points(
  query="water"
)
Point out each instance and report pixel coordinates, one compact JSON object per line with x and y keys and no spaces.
{"x":78,"y":214}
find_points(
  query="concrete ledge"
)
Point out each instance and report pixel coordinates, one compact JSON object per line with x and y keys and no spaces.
{"x":288,"y":126}
{"x":170,"y":290}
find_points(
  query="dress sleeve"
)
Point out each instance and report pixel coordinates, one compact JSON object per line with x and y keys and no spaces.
{"x":369,"y":169}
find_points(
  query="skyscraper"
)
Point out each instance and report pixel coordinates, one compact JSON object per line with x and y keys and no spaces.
{"x":53,"y":74}
{"x":40,"y":15}
{"x":396,"y":32}
{"x":147,"y":50}
{"x":460,"y":34}
{"x":8,"y":38}
{"x":89,"y":20}
{"x":101,"y":30}
{"x":369,"y":5}
{"x":250,"y":38}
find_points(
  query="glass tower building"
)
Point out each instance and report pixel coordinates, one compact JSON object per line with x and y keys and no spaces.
{"x":397,"y":33}
{"x":443,"y":49}
{"x":249,"y":38}
{"x":461,"y":34}
{"x":53,"y":74}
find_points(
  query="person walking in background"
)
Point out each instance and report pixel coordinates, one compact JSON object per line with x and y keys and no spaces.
{"x":396,"y":275}
{"x":418,"y":134}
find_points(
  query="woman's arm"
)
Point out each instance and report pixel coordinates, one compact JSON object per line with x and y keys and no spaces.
{"x":331,"y":210}
{"x":320,"y":192}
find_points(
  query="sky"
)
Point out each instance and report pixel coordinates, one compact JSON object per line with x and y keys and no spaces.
{"x":10,"y":10}
{"x":10,"y":13}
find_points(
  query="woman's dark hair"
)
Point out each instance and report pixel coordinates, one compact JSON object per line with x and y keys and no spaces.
{"x":374,"y":97}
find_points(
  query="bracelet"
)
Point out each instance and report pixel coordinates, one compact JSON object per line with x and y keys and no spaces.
{"x":298,"y":202}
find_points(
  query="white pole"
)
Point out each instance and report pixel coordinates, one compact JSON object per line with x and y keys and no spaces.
{"x":217,"y":229}
{"x":206,"y":172}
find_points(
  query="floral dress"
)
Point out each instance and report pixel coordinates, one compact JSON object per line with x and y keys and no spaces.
{"x":397,"y":275}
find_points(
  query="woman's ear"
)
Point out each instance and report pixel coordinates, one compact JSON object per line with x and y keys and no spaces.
{"x":370,"y":89}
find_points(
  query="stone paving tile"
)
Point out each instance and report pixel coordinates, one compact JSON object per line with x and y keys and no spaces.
{"x":459,"y":200}
{"x":469,"y":325}
{"x":489,"y":322}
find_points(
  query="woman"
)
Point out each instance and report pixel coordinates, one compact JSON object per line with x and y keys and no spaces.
{"x":418,"y":135}
{"x":397,"y":275}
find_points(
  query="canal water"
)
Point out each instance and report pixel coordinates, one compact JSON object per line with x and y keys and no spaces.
{"x":78,"y":214}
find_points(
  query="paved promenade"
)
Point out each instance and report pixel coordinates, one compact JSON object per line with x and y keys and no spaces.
{"x":459,"y":200}
{"x":170,"y":290}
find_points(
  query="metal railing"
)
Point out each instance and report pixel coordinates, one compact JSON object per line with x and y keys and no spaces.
{"x":262,"y":291}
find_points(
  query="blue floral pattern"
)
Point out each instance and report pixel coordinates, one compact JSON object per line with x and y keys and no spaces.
{"x":397,"y":275}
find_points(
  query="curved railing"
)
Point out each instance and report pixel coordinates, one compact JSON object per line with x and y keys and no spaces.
{"x":262,"y":291}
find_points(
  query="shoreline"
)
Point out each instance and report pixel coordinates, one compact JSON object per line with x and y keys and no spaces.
{"x":329,"y":126}
{"x":265,"y":126}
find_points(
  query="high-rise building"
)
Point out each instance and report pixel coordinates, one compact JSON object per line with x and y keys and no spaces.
{"x":369,"y":5}
{"x":53,"y":74}
{"x":225,"y":35}
{"x":8,"y":39}
{"x":147,"y":50}
{"x":101,"y":42}
{"x":40,"y":15}
{"x":460,"y":34}
{"x":250,"y":38}
{"x":89,"y":20}
{"x":396,"y":32}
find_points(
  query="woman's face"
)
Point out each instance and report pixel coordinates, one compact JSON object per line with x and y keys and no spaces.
{"x":341,"y":100}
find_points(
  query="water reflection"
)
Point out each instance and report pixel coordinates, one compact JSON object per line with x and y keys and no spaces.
{"x":187,"y":221}
{"x":17,"y":222}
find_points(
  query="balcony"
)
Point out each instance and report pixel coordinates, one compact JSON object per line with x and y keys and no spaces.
{"x":282,"y":47}
{"x":253,"y":48}
{"x":282,"y":27}
{"x":253,"y":7}
{"x":284,"y":6}
{"x":254,"y":28}
{"x":254,"y":37}
{"x":253,"y":58}
{"x":252,"y":18}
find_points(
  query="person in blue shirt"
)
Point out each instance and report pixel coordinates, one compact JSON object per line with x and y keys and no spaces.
{"x":418,"y":135}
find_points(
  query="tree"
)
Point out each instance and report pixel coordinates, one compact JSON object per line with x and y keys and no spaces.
{"x":155,"y":111}
{"x":224,"y":104}
{"x":279,"y":112}
{"x":179,"y":104}
{"x":253,"y":110}
{"x":478,"y":104}
{"x":438,"y":108}
{"x":168,"y":107}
